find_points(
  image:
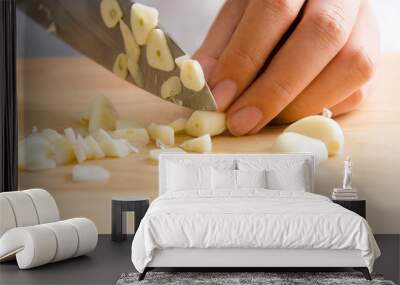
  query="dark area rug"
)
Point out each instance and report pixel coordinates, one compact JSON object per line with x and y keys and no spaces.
{"x":243,"y":278}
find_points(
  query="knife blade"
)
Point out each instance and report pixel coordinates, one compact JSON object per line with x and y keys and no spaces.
{"x":79,"y":24}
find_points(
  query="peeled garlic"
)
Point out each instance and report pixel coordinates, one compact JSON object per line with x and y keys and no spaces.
{"x":289,"y":142}
{"x":86,"y":148}
{"x":35,"y":153}
{"x":154,"y":154}
{"x":126,"y":124}
{"x":192,"y":75}
{"x":84,"y":173}
{"x":80,"y":152}
{"x":136,"y":136}
{"x":143,"y":20}
{"x":171,"y":87}
{"x":50,"y":135}
{"x":165,"y":134}
{"x":179,"y":125}
{"x":131,"y":47}
{"x":135,"y":72}
{"x":111,"y":147}
{"x":70,"y":135}
{"x":322,"y":128}
{"x":181,"y":59}
{"x":205,"y":122}
{"x":129,"y":145}
{"x":63,"y":151}
{"x":84,"y":121}
{"x":96,"y":150}
{"x":102,"y":114}
{"x":201,"y":144}
{"x":157,"y":51}
{"x":110,"y":12}
{"x":120,"y":67}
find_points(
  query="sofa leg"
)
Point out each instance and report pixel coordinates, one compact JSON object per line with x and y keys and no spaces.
{"x":365,"y":272}
{"x":142,"y":275}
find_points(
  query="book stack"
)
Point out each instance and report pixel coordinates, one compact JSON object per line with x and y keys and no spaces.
{"x":345,"y":194}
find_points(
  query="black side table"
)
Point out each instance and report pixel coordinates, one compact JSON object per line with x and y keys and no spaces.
{"x":356,"y":206}
{"x":120,"y":206}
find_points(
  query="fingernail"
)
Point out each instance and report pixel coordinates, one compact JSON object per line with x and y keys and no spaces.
{"x":243,"y":121}
{"x":224,"y":93}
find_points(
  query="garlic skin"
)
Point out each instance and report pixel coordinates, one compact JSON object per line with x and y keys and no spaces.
{"x":289,"y":142}
{"x":320,"y":128}
{"x":205,"y":122}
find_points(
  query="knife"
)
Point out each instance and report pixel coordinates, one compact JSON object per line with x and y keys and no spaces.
{"x":79,"y":24}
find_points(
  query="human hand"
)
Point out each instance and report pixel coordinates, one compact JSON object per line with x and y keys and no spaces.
{"x":316,"y":56}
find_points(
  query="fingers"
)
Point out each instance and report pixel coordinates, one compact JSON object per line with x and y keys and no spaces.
{"x":347,"y":72}
{"x":220,"y":33}
{"x":350,"y":103}
{"x":260,"y":29}
{"x":320,"y":35}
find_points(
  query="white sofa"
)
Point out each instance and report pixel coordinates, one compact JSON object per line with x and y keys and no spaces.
{"x":31,"y":231}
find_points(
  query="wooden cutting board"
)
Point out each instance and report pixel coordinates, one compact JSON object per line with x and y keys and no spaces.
{"x":55,"y":92}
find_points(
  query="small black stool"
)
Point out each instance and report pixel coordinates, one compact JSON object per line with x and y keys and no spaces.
{"x":120,"y":206}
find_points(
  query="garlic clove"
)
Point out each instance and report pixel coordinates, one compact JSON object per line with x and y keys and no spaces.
{"x":158,"y":52}
{"x":201,"y":144}
{"x":289,"y":142}
{"x":120,"y":67}
{"x":143,"y":20}
{"x":179,"y":125}
{"x":171,"y":87}
{"x":321,"y":128}
{"x":164,"y":133}
{"x":192,"y":75}
{"x":111,"y":12}
{"x":205,"y":122}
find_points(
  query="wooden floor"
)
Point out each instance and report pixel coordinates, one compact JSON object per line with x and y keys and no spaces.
{"x":110,"y":260}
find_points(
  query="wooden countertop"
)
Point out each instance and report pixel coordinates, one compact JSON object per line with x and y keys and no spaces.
{"x":55,"y":92}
